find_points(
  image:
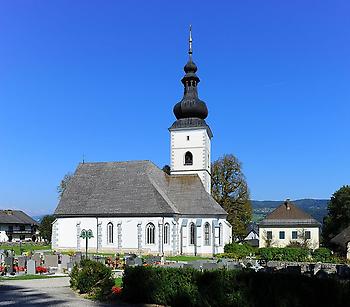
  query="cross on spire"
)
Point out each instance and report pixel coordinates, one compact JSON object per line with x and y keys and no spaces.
{"x":190,"y":42}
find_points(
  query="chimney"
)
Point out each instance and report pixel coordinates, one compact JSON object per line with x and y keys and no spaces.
{"x":287,"y":203}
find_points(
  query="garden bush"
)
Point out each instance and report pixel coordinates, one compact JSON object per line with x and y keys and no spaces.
{"x":188,"y":287}
{"x":284,"y":254}
{"x":239,"y":251}
{"x":93,"y":278}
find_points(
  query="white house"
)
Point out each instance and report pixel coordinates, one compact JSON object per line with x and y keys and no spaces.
{"x":136,"y":207}
{"x":289,"y":224}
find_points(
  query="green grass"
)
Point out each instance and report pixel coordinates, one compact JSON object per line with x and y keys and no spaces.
{"x":118,"y":281}
{"x":186,"y":258}
{"x":27,"y":277}
{"x":25,"y":247}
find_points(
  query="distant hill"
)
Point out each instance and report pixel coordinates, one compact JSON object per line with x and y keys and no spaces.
{"x":315,"y":207}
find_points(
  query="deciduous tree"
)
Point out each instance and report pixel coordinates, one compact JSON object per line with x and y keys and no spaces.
{"x":45,"y":227}
{"x":338,"y":217}
{"x":230,"y":190}
{"x":63,"y":184}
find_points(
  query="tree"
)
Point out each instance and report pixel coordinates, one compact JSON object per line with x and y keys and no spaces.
{"x":338,"y":217}
{"x":166,"y":169}
{"x":230,"y":190}
{"x":63,"y":184}
{"x":45,"y":227}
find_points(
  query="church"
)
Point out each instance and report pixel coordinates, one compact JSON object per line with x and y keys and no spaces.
{"x":136,"y":207}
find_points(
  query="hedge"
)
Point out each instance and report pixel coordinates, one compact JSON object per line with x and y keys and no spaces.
{"x":92,"y":278}
{"x":189,"y":287}
{"x":239,"y":251}
{"x":293,"y":254}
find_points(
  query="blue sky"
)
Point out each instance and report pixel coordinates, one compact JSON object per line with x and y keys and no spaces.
{"x":100,"y":79}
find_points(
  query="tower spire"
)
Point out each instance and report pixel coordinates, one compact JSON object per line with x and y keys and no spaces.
{"x":190,"y":42}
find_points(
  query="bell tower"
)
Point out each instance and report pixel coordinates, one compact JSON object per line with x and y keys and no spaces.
{"x":190,"y":136}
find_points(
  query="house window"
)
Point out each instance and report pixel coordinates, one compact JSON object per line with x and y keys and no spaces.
{"x":269,"y":235}
{"x":206,"y":234}
{"x":188,"y":158}
{"x":192,"y":234}
{"x":220,"y":234}
{"x":282,"y":235}
{"x":10,"y":228}
{"x":110,"y":233}
{"x":150,"y":237}
{"x":188,"y":138}
{"x":294,"y":235}
{"x":166,"y":233}
{"x":307,"y":235}
{"x":22,"y":227}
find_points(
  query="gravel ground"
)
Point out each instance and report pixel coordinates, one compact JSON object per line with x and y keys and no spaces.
{"x":42,"y":292}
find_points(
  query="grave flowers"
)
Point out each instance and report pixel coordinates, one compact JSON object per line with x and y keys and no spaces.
{"x":117,"y":290}
{"x":40,"y":269}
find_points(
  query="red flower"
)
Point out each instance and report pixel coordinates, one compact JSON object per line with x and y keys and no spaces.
{"x":117,"y":290}
{"x":40,"y":269}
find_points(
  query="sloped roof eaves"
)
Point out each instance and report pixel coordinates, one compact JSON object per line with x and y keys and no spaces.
{"x":290,"y":223}
{"x":16,"y":217}
{"x":342,"y":238}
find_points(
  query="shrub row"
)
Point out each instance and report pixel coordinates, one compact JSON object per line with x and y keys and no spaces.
{"x":240,"y":251}
{"x":189,"y":287}
{"x":92,"y":278}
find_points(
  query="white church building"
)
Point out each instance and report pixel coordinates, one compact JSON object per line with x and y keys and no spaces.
{"x":136,"y":207}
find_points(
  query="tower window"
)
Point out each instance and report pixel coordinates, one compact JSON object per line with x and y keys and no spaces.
{"x":188,"y":158}
{"x":188,"y":138}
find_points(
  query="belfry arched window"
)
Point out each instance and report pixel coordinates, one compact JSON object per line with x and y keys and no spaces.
{"x":110,"y":233}
{"x":150,"y":235}
{"x":206,"y":234}
{"x":188,"y":158}
{"x":192,"y":234}
{"x":166,"y":233}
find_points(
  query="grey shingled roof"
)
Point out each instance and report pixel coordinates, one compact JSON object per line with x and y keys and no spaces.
{"x":342,"y":238}
{"x":135,"y":188}
{"x":15,"y":217}
{"x":288,"y":214}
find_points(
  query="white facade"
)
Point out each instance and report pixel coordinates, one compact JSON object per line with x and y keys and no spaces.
{"x":195,"y":141}
{"x":283,"y":236}
{"x":171,"y":236}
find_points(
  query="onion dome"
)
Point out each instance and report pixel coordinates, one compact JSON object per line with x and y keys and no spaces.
{"x":190,"y":105}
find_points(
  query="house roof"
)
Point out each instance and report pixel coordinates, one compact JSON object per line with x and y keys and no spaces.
{"x":15,"y":217}
{"x":134,"y":188}
{"x":342,"y":238}
{"x":288,"y":214}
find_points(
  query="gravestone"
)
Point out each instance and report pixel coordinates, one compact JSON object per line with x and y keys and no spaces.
{"x":210,"y":266}
{"x":31,"y":267}
{"x":138,"y":261}
{"x":8,"y":261}
{"x":70,"y":266}
{"x":51,"y":261}
{"x":37,"y":258}
{"x":64,"y":261}
{"x":129,"y":261}
{"x":22,"y":261}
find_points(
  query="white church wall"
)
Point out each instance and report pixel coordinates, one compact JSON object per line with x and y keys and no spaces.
{"x":130,"y":241}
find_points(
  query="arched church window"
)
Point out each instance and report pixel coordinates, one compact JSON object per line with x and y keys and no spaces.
{"x":166,"y":233}
{"x":192,"y":234}
{"x":188,"y":158}
{"x":206,"y":234}
{"x":220,"y":234}
{"x":150,"y":236}
{"x":110,"y":233}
